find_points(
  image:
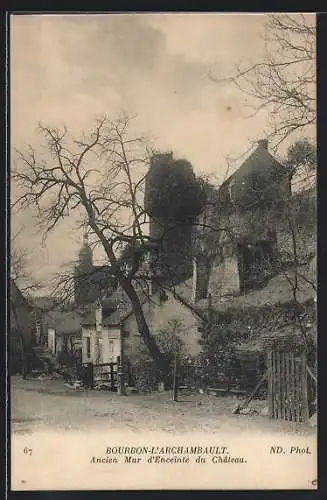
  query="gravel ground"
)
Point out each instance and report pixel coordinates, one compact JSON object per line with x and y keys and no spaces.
{"x":47,"y":404}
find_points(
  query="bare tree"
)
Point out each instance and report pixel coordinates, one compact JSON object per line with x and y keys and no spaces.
{"x":98,"y":177}
{"x":20,"y":270}
{"x":297,"y":254}
{"x":299,"y":221}
{"x":283,"y":81}
{"x":301,"y":163}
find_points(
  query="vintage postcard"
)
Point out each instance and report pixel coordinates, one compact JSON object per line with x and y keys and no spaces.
{"x":163,"y":288}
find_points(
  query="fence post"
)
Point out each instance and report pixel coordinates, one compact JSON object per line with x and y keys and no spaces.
{"x":270,"y":385}
{"x":112,"y":381}
{"x":90,"y":375}
{"x":121,"y":374}
{"x":175,"y":388}
{"x":304,"y":384}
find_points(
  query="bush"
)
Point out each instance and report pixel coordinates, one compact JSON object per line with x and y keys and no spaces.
{"x":223,"y":366}
{"x":146,"y":375}
{"x":144,"y":371}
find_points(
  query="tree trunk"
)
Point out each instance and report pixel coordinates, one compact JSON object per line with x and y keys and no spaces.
{"x":144,"y":331}
{"x":127,"y":286}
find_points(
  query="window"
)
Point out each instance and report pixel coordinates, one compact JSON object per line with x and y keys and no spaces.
{"x":88,"y":347}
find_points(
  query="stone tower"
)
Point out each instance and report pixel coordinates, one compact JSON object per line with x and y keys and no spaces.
{"x":172,"y":201}
{"x":173,"y":260}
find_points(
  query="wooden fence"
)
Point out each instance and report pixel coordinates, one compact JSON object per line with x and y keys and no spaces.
{"x":100,"y":374}
{"x":106,"y":373}
{"x":288,"y":386}
{"x":235,"y":380}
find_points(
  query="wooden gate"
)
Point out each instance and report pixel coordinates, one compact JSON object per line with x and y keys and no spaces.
{"x":288,"y":386}
{"x":100,"y":374}
{"x":106,"y":374}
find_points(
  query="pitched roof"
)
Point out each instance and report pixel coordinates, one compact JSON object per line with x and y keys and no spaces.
{"x":17,"y":296}
{"x":260,"y":159}
{"x":45,"y":302}
{"x":111,"y":308}
{"x":65,"y":322}
{"x":88,"y":318}
{"x":109,"y":305}
{"x":192,"y":307}
{"x":116,"y":317}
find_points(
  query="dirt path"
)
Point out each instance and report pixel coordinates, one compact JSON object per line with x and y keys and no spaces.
{"x":38,"y":405}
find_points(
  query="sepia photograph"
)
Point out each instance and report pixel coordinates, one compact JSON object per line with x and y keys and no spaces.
{"x":163,"y":251}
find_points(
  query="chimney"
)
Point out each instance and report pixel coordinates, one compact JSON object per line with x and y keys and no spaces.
{"x":201,"y":274}
{"x":263,"y":143}
{"x":98,"y":315}
{"x":85,"y":238}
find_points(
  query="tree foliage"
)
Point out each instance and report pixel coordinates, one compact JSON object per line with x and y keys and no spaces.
{"x":169,"y":339}
{"x":172,"y":191}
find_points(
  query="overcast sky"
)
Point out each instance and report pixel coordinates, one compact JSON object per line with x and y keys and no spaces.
{"x":69,"y":69}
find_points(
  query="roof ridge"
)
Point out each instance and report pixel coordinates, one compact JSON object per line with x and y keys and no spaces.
{"x":257,"y":150}
{"x":186,"y":303}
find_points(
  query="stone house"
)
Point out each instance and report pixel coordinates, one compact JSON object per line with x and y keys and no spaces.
{"x":97,"y":346}
{"x":251,"y":230}
{"x":101,"y":336}
{"x":234,"y":262}
{"x":254,"y":235}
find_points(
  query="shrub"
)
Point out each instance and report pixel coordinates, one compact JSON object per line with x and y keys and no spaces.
{"x":146,"y":375}
{"x":222,"y":363}
{"x":144,"y":371}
